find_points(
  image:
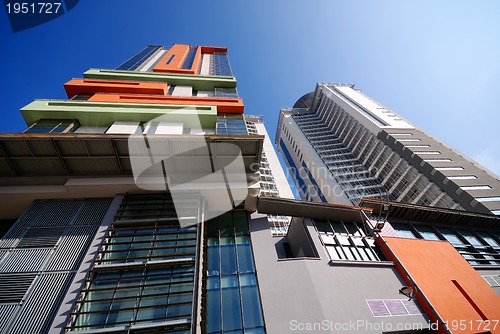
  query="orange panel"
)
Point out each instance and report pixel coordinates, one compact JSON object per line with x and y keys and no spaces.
{"x":178,"y":53}
{"x":91,"y":86}
{"x":455,"y":290}
{"x":224,"y":105}
{"x":175,"y":57}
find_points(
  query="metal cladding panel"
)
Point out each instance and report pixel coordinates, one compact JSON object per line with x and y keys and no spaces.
{"x":24,"y":260}
{"x":103,"y":165}
{"x":42,"y":148}
{"x":17,"y":148}
{"x":122,"y":147}
{"x":42,"y":302}
{"x":93,"y":212}
{"x":6,"y":313}
{"x":5,"y":167}
{"x":72,"y":248}
{"x":41,"y":237}
{"x":49,"y":166}
{"x":101,"y":147}
{"x":57,"y":213}
{"x":70,"y":148}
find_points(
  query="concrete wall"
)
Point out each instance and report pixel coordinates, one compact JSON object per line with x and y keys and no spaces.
{"x":300,"y":294}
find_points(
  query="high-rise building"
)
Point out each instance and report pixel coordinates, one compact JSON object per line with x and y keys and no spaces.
{"x":149,"y":203}
{"x":109,"y":194}
{"x":342,"y":146}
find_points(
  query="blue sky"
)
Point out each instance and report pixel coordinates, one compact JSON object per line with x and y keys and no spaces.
{"x":436,"y":63}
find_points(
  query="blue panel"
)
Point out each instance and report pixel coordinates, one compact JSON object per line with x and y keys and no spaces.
{"x":250,"y":300}
{"x":245,"y":259}
{"x":228,"y":259}
{"x":231,"y":311}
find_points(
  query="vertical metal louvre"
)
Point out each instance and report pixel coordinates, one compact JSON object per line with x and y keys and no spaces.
{"x":92,"y":212}
{"x":6,"y":313}
{"x":36,"y":314}
{"x":57,"y":213}
{"x":25,"y":260}
{"x":72,"y":248}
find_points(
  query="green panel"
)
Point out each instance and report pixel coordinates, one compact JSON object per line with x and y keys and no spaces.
{"x":199,"y":82}
{"x":104,"y":113}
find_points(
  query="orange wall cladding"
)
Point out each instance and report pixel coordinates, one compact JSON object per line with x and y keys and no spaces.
{"x":462,"y":298}
{"x":145,"y":92}
{"x":177,"y":54}
{"x":86,"y":86}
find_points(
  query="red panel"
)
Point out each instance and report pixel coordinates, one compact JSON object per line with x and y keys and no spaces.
{"x":91,"y":86}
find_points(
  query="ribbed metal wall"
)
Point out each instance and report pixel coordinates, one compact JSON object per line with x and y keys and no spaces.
{"x":57,"y":213}
{"x":6,"y":313}
{"x":36,"y":314}
{"x":25,"y":260}
{"x":40,"y":254}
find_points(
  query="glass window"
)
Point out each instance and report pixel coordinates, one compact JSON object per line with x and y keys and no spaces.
{"x":488,"y":238}
{"x":470,"y":237}
{"x":233,"y":302}
{"x":427,"y":233}
{"x":403,"y":230}
{"x":450,"y":236}
{"x":53,"y":126}
{"x":134,"y":62}
{"x":141,"y":294}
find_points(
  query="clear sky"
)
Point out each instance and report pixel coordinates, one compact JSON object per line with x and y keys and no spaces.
{"x":436,"y":63}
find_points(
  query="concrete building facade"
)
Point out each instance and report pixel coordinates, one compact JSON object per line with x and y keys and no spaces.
{"x":344,"y":146}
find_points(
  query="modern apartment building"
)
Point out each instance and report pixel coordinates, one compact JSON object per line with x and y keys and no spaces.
{"x":106,"y":192}
{"x":343,"y":146}
{"x":149,"y":203}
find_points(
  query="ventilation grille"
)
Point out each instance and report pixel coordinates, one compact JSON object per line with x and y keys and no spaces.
{"x":393,"y":307}
{"x":37,"y":313}
{"x":14,"y":287}
{"x":41,"y":237}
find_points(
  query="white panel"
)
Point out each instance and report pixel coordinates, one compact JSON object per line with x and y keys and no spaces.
{"x":120,"y":127}
{"x":205,"y":64}
{"x":374,"y":108}
{"x":169,"y":128}
{"x":205,"y":93}
{"x":197,"y":132}
{"x":148,"y":67}
{"x":91,"y":129}
{"x":183,"y":91}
